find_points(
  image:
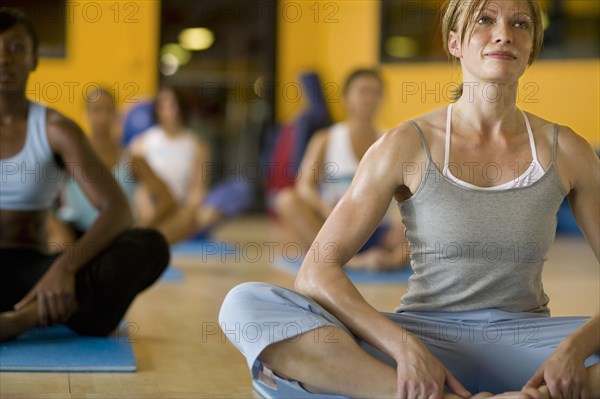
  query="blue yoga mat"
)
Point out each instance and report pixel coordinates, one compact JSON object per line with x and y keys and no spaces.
{"x":202,"y":247}
{"x":357,"y":276}
{"x":60,"y":349}
{"x":172,"y":275}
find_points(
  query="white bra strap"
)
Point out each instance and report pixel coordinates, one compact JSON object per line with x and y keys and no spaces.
{"x":447,"y":149}
{"x":531,"y":141}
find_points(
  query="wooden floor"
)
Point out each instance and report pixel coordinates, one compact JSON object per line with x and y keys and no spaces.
{"x":180,"y":354}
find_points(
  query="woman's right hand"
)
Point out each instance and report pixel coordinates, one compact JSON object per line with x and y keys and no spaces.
{"x":421,"y":375}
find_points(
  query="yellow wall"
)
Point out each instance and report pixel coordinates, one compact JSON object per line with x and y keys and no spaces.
{"x":120,"y":50}
{"x":563,"y":91}
{"x":111,"y":43}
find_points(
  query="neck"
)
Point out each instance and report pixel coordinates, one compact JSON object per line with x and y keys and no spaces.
{"x":171,"y":129}
{"x":488,"y":108}
{"x":363,"y":127}
{"x":105,"y":147}
{"x":12,"y":105}
{"x":103,"y":139}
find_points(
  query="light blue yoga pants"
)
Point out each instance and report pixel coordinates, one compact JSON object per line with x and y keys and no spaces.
{"x":486,"y":350}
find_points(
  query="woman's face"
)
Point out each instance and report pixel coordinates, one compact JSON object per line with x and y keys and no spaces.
{"x":101,"y":113}
{"x":167,"y":109}
{"x":363,"y":96}
{"x":500,"y":44}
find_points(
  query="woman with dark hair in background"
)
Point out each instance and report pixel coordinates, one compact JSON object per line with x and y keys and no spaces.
{"x":182,"y":160}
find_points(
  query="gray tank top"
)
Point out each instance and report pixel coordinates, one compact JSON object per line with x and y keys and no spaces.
{"x":478,"y":249}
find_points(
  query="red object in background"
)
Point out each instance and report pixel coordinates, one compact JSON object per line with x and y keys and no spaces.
{"x":282,"y":168}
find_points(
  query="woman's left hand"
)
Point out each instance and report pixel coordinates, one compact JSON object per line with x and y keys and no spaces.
{"x":564,"y":375}
{"x":55,"y":295}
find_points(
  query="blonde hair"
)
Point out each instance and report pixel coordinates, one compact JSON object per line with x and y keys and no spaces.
{"x":453,"y":10}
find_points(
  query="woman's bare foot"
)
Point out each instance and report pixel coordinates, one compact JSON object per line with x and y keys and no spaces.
{"x":15,"y":323}
{"x":207,"y":217}
{"x":528,"y":393}
{"x":480,"y":395}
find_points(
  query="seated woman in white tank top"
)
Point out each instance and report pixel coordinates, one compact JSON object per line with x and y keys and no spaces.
{"x":328,"y":167}
{"x":182,"y":160}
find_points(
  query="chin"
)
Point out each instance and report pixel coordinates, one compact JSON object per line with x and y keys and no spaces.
{"x":366,"y":115}
{"x":501,"y":77}
{"x":505,"y":73}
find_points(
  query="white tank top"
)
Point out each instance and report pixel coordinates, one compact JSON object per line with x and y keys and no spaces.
{"x":31,"y":178}
{"x":340,"y":164}
{"x":533,"y":173}
{"x":171,"y":158}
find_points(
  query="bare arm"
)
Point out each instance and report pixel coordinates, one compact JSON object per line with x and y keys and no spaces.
{"x":161,"y":195}
{"x":311,"y":173}
{"x":583,"y":168}
{"x":55,"y":291}
{"x":345,"y":231}
{"x":563,"y":372}
{"x":99,"y":186}
{"x":199,"y":186}
{"x":379,"y":177}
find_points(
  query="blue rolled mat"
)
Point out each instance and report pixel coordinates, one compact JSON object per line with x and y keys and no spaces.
{"x":202,"y":247}
{"x":565,"y":221}
{"x":292,"y":266}
{"x":230,"y":197}
{"x":172,"y":275}
{"x":60,"y":349}
{"x":138,"y":119}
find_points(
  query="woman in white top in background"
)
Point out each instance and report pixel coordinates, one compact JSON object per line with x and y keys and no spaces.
{"x":178,"y":156}
{"x":327,"y":169}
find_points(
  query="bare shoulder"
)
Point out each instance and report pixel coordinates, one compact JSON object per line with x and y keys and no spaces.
{"x":63,"y":133}
{"x":196,"y":139}
{"x":137,"y":145}
{"x":315,"y":150}
{"x":433,"y":120}
{"x":404,"y":140}
{"x":319,"y":137}
{"x":577,"y":162}
{"x":569,"y":142}
{"x":575,"y":157}
{"x":199,"y":141}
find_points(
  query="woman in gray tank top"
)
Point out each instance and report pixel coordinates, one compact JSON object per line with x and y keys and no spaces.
{"x":475,"y":317}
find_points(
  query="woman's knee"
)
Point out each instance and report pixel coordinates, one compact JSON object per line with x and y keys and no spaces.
{"x":144,"y":253}
{"x":243,"y":300}
{"x":286,"y":201}
{"x":147,"y":244}
{"x":156,"y":245}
